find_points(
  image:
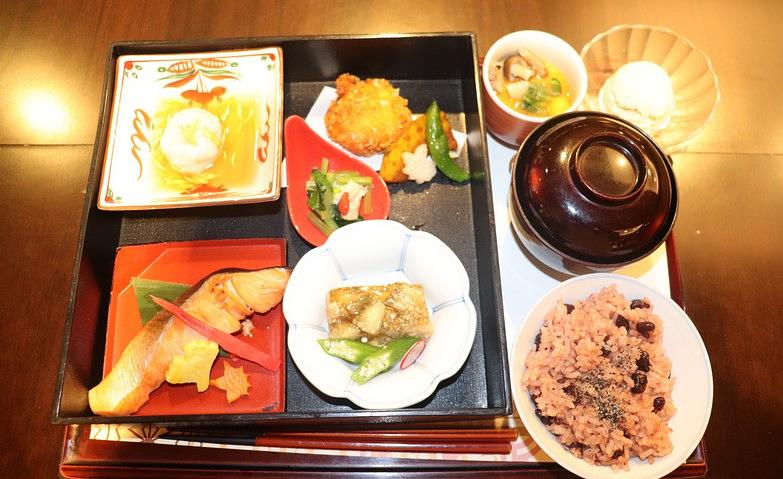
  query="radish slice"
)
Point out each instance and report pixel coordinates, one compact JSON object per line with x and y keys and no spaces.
{"x":413,"y":353}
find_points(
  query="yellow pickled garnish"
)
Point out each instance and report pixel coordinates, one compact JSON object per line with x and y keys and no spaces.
{"x":193,"y":366}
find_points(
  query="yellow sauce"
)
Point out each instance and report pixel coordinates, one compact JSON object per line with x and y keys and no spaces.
{"x":544,"y":100}
{"x":236,"y":164}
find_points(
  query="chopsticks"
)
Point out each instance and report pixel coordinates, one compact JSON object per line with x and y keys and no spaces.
{"x":456,"y":441}
{"x":462,"y":441}
{"x":409,"y":435}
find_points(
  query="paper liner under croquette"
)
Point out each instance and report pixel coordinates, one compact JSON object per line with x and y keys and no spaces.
{"x":368,"y":115}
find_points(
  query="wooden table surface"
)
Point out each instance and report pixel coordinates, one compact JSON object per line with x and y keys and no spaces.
{"x":52,"y":56}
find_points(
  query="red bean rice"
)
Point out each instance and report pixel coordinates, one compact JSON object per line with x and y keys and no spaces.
{"x":581,"y":375}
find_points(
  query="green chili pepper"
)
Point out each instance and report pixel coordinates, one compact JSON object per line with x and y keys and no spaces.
{"x":348,"y":349}
{"x":438,"y":146}
{"x":382,"y":359}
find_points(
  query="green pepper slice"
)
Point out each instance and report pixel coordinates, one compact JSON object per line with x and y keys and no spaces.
{"x":438,"y":145}
{"x":382,"y":359}
{"x":350,"y":350}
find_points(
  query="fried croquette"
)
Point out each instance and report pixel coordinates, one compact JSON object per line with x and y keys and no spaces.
{"x":368,"y":115}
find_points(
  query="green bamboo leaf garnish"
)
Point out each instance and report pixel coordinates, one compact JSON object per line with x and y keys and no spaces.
{"x":145,"y":287}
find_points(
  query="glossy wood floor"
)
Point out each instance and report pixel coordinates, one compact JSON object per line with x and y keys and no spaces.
{"x":52,"y":55}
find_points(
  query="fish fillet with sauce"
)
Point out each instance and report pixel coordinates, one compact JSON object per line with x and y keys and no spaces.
{"x":221,"y":301}
{"x":378,"y":314}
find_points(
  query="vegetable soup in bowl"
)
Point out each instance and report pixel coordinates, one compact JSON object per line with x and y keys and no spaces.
{"x":528,"y":77}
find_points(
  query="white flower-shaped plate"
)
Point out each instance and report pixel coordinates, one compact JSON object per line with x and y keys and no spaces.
{"x":372,"y":253}
{"x":241,"y":91}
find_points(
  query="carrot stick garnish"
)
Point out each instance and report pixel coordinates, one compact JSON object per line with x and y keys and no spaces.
{"x":226,"y":341}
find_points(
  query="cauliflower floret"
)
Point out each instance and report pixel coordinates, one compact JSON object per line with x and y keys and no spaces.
{"x":418,"y":166}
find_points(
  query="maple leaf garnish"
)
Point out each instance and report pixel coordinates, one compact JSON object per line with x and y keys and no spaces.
{"x":234,"y":381}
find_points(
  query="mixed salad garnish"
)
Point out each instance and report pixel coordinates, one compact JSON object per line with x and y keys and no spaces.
{"x":337,"y":198}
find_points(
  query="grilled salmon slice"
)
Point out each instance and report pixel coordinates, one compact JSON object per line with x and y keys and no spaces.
{"x":221,"y":300}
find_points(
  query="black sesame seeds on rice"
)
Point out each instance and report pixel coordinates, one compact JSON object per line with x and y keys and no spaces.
{"x":585,"y":376}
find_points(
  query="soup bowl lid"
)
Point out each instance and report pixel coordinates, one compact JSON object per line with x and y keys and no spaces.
{"x":594,"y":188}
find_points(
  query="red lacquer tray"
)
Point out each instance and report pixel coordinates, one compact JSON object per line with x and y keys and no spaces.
{"x":188,"y":262}
{"x":84,"y":457}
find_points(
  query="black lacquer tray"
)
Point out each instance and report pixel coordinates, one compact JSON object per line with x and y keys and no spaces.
{"x":443,"y":67}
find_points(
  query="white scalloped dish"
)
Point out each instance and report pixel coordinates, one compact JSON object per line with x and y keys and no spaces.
{"x":374,"y":253}
{"x":694,"y":85}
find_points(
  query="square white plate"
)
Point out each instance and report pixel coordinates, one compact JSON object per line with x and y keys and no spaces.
{"x":194,"y":129}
